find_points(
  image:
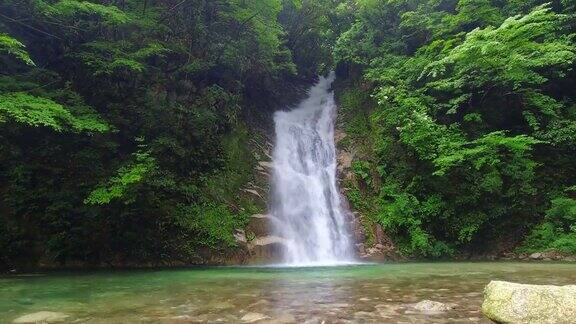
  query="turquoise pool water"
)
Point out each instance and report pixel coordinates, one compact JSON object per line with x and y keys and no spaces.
{"x":349,"y":294}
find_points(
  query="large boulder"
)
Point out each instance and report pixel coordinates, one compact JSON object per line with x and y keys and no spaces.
{"x":506,"y":302}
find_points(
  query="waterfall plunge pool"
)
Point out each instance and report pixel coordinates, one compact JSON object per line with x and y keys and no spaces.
{"x":347,"y":294}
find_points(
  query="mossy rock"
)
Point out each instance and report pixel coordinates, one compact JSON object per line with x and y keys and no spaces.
{"x":506,"y":302}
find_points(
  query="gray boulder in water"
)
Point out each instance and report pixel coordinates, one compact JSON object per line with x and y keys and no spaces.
{"x":506,"y":302}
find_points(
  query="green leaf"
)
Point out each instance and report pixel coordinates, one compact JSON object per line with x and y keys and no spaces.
{"x":14,"y":47}
{"x":36,"y":111}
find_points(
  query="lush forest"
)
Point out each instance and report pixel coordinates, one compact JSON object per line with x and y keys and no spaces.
{"x":467,"y":139}
{"x":128,"y":128}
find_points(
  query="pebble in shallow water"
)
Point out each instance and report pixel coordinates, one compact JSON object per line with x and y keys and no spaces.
{"x":253,"y":317}
{"x":42,"y":317}
{"x":432,"y":307}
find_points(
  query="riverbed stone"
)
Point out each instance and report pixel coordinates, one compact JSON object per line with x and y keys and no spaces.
{"x":42,"y":317}
{"x":253,"y":317}
{"x":507,"y":302}
{"x":285,"y":318}
{"x":536,"y":256}
{"x":430,"y":306}
{"x":388,"y":310}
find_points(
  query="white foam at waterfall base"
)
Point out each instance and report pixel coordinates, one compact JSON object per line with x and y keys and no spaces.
{"x":305,"y":201}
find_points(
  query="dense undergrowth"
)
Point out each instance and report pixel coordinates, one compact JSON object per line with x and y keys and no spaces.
{"x":463,"y":117}
{"x":128,"y":128}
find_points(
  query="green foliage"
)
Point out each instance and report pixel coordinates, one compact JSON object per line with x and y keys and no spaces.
{"x":109,"y":58}
{"x":511,"y":56}
{"x":362,"y":171}
{"x":14,"y":47}
{"x":558,"y":231}
{"x":357,"y":123}
{"x":214,"y":223}
{"x":460,"y":115}
{"x":471,"y":117}
{"x":486,"y":152}
{"x":35,"y":111}
{"x":110,"y":15}
{"x":196,"y":79}
{"x":125,"y":179}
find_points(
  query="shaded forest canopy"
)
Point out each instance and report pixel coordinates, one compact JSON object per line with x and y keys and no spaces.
{"x":129,"y":127}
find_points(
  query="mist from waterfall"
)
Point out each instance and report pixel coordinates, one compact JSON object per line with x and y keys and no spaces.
{"x":305,"y":204}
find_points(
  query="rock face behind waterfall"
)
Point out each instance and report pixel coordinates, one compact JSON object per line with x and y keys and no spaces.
{"x":506,"y":302}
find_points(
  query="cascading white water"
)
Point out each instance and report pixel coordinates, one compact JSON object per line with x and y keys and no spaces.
{"x":306,"y":202}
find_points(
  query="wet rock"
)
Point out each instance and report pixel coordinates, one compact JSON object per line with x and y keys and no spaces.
{"x":255,"y":193}
{"x":548,"y":256}
{"x":344,"y":161}
{"x":181,"y":319}
{"x":259,"y":225}
{"x":253,"y":317}
{"x":240,"y":237}
{"x":263,"y":247}
{"x":211,"y":318}
{"x":364,"y":315}
{"x":430,"y":306}
{"x":555,"y":255}
{"x":358,"y":230}
{"x":285,"y":318}
{"x":340,"y":305}
{"x":42,"y":317}
{"x":508,"y":256}
{"x":314,"y":320}
{"x":383,"y":248}
{"x":388,"y":310}
{"x":259,"y":304}
{"x":221,"y":305}
{"x":268,"y":248}
{"x":506,"y":302}
{"x":535,"y":256}
{"x":361,"y":248}
{"x":266,"y":164}
{"x":339,"y":135}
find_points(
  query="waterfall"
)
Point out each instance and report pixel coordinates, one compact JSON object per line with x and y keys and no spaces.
{"x":305,"y":197}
